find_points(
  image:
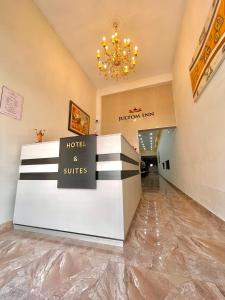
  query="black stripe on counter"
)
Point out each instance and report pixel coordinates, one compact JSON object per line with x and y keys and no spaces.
{"x":40,"y":161}
{"x":129,"y":173}
{"x":116,"y":175}
{"x":108,"y":157}
{"x":100,"y":175}
{"x":125,"y":158}
{"x":39,"y":176}
{"x":116,"y":157}
{"x":71,"y":232}
{"x":99,"y":157}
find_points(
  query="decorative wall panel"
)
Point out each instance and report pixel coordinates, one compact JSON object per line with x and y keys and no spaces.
{"x":210,"y":51}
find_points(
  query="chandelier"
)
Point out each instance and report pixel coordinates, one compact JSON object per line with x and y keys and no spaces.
{"x":117,"y":58}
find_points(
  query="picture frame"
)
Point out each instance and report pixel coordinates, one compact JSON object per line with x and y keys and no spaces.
{"x":168,"y":165}
{"x":210,"y":51}
{"x":11,"y":103}
{"x":79,"y":120}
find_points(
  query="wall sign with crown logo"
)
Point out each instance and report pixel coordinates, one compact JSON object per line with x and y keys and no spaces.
{"x":136,"y":113}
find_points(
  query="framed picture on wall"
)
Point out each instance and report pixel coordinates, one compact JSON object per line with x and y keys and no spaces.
{"x":79,"y":121}
{"x":168,"y":165}
{"x":210,"y":50}
{"x":11,"y":103}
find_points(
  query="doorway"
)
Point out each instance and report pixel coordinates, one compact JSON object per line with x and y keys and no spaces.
{"x":155,"y":148}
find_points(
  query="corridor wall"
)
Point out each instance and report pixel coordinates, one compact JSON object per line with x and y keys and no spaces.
{"x":199,"y":143}
{"x":165,"y":152}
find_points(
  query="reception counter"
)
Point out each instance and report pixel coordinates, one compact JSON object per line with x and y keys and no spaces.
{"x":102,"y":214}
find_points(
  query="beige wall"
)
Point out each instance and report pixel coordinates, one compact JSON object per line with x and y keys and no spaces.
{"x":156,"y":99}
{"x":35,"y":64}
{"x":199,"y":143}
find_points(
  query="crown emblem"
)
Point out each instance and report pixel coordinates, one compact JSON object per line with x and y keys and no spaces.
{"x":134,"y":110}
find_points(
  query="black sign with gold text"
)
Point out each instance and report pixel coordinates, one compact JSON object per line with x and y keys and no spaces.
{"x":77,"y":162}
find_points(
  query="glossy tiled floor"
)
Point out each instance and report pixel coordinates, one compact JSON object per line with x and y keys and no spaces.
{"x":175,"y":250}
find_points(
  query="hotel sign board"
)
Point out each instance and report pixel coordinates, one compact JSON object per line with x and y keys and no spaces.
{"x":135,"y":114}
{"x":77,"y":162}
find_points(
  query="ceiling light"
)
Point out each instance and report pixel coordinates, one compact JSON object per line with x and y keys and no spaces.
{"x":118,"y":57}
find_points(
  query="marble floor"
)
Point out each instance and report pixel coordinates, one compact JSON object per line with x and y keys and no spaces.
{"x":175,"y":250}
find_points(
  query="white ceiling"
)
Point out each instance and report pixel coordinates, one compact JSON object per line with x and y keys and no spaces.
{"x":151,"y":24}
{"x":148,"y":139}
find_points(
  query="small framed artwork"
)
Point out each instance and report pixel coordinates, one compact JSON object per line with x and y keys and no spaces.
{"x":168,"y":165}
{"x":79,"y":121}
{"x":11,"y":103}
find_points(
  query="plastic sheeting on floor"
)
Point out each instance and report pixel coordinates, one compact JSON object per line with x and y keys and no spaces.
{"x":174,"y":250}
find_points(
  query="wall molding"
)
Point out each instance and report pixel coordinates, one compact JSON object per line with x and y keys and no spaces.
{"x":198,"y":205}
{"x":145,"y":82}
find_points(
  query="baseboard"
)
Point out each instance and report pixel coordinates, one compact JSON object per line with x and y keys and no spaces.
{"x":198,"y":205}
{"x":70,"y":235}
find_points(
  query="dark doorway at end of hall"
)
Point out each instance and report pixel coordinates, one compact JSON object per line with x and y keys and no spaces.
{"x":155,"y":150}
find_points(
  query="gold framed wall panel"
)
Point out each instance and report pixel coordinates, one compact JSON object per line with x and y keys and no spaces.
{"x":210,"y":51}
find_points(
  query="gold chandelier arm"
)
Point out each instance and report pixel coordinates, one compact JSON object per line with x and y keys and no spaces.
{"x":118,"y":57}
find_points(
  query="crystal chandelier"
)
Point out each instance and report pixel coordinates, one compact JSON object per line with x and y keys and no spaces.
{"x":118,"y":57}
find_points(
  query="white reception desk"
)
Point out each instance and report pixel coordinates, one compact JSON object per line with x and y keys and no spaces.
{"x":103,"y":214}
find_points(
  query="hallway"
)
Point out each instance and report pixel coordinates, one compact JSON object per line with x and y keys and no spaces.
{"x":175,"y":250}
